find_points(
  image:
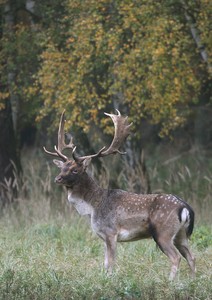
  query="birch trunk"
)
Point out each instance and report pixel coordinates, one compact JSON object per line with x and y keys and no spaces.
{"x":196,"y":36}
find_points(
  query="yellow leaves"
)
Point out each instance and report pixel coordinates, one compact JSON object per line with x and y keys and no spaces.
{"x":176,"y":81}
{"x":70,"y":40}
{"x":93,"y":113}
{"x":137,"y":55}
{"x":2,"y":105}
{"x":159,"y":51}
{"x":150,"y":84}
{"x":3,"y":96}
{"x":175,"y":52}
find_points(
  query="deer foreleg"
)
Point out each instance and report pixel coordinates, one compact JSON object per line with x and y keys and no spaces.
{"x":110,"y":251}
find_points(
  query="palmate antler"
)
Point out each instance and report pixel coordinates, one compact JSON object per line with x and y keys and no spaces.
{"x":122,"y":130}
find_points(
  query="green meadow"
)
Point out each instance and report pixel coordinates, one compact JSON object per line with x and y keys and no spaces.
{"x":49,"y":252}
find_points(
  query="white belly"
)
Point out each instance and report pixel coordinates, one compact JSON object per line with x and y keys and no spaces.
{"x":124,"y":235}
{"x":127,"y":235}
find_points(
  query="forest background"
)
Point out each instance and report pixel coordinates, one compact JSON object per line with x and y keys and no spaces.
{"x":149,"y":59}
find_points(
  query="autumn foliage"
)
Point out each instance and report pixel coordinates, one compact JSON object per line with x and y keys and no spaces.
{"x":91,"y":56}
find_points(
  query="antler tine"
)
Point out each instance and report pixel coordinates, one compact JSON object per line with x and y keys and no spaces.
{"x":61,"y":136}
{"x":51,"y":153}
{"x":61,"y":141}
{"x":82,"y":158}
{"x":122,"y":130}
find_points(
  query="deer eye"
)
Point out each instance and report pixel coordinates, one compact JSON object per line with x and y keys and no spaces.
{"x":74,"y":171}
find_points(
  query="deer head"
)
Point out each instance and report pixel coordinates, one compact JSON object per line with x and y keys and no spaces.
{"x":73,"y":168}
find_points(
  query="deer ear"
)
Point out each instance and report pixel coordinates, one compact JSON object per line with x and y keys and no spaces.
{"x":86,"y":162}
{"x":58,"y":163}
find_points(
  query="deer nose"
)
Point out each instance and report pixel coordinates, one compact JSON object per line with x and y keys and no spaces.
{"x":58,"y":179}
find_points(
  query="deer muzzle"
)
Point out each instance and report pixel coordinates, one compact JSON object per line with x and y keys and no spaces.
{"x":58,"y":179}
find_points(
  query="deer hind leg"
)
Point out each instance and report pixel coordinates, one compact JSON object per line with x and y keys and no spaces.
{"x":181,"y":243}
{"x":168,"y":248}
{"x":110,"y":251}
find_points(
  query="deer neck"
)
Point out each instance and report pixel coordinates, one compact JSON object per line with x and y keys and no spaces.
{"x":85,"y":195}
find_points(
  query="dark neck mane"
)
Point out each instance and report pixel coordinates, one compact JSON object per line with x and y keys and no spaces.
{"x":87,"y":189}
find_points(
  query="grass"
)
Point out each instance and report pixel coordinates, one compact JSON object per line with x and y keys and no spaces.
{"x":47,"y":251}
{"x":64,"y":260}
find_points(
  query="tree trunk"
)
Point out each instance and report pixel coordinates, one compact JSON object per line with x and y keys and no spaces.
{"x":9,"y":161}
{"x":195,"y":35}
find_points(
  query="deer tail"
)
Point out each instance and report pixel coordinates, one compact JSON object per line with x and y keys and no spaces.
{"x":186,"y":217}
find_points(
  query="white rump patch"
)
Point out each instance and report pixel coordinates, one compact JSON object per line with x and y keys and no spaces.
{"x":185,"y":215}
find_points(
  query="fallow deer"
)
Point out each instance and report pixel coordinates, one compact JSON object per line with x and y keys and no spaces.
{"x":120,"y":216}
